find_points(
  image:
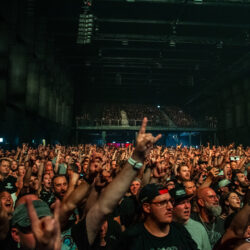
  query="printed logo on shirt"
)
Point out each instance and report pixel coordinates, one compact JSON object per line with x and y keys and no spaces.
{"x":9,"y":186}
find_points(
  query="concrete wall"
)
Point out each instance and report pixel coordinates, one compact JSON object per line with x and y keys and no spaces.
{"x":33,"y":105}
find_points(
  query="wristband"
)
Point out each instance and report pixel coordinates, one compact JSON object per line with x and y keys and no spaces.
{"x":136,"y":164}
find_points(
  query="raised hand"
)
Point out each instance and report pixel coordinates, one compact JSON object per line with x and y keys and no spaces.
{"x":47,"y":230}
{"x":144,"y":142}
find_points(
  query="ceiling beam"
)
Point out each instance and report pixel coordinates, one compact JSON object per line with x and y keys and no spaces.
{"x":182,"y":23}
{"x":167,"y":39}
{"x":243,"y":3}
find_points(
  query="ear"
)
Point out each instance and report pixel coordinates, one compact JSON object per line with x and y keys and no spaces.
{"x":201,"y":202}
{"x":15,"y":234}
{"x":227,"y":203}
{"x":236,"y":182}
{"x":146,"y":208}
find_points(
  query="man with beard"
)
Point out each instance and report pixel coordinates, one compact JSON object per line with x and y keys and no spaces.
{"x":181,"y":214}
{"x":183,"y":174}
{"x":241,"y":184}
{"x":158,"y":231}
{"x":209,"y":213}
{"x":60,"y":186}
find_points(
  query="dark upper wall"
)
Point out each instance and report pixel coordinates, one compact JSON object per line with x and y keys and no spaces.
{"x":228,"y":98}
{"x":36,"y":93}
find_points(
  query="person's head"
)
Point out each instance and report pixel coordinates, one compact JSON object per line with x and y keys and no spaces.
{"x":60,"y":186}
{"x":21,"y":230}
{"x":85,"y":166}
{"x":170,"y":184}
{"x":46,"y":181}
{"x":6,"y":202}
{"x":34,"y":169}
{"x":113,"y":164}
{"x":230,"y":203}
{"x":34,"y":183}
{"x":182,"y":209}
{"x":106,"y":176}
{"x":208,"y":202}
{"x":183,"y":173}
{"x":156,"y":204}
{"x":240,"y":179}
{"x":49,"y":169}
{"x":135,"y":186}
{"x":21,"y":170}
{"x":190,"y":187}
{"x":224,"y":187}
{"x":4,"y":168}
{"x":13,"y":165}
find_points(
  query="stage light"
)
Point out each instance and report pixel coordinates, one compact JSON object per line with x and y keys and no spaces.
{"x":158,"y":106}
{"x":1,"y":140}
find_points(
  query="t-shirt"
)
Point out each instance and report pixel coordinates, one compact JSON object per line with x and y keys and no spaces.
{"x":128,"y":210}
{"x":137,"y":237}
{"x":198,"y":234}
{"x":8,"y":184}
{"x":79,"y":235}
{"x":214,"y":230}
{"x":47,"y":196}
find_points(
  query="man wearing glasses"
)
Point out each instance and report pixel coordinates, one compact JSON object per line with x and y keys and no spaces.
{"x":157,"y":231}
{"x":209,"y":213}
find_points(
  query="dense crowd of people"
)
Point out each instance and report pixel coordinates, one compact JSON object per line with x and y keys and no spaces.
{"x":111,"y":115}
{"x":143,"y":197}
{"x":179,"y":117}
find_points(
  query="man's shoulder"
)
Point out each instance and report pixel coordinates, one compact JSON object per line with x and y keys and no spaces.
{"x":134,"y":229}
{"x":193,"y":224}
{"x":10,"y":178}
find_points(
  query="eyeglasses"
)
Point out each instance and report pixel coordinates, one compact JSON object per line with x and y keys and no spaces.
{"x":162,"y":203}
{"x":214,"y":197}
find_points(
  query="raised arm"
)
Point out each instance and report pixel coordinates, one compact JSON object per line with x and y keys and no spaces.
{"x":111,"y":195}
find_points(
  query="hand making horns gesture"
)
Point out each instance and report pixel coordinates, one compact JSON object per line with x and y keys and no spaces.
{"x":144,"y":141}
{"x":46,"y":230}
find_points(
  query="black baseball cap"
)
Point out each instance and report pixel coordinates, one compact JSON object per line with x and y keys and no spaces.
{"x":179,"y":194}
{"x":150,"y":191}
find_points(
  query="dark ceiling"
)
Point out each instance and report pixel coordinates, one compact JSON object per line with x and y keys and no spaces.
{"x":154,"y":50}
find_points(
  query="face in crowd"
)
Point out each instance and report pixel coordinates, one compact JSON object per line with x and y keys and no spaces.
{"x":183,"y":173}
{"x":135,"y":187}
{"x":49,"y":169}
{"x":182,"y":211}
{"x":4,"y":168}
{"x":46,"y":181}
{"x":160,"y":209}
{"x":190,"y":187}
{"x":21,"y":170}
{"x":242,"y":180}
{"x":208,"y":200}
{"x":233,"y":201}
{"x":13,"y":166}
{"x":34,"y":183}
{"x":6,"y":202}
{"x":60,"y":186}
{"x":170,"y":185}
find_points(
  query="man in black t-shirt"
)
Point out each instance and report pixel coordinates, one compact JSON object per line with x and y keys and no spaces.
{"x":46,"y":193}
{"x":7,"y":182}
{"x":158,"y":231}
